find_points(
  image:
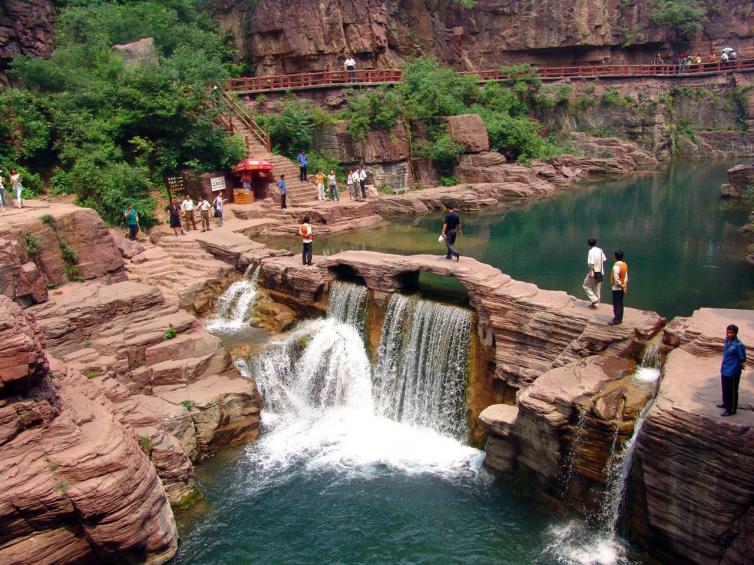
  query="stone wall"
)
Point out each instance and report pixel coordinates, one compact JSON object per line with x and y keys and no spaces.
{"x":26,"y":28}
{"x":293,"y":36}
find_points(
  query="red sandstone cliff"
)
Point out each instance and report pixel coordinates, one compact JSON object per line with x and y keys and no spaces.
{"x":283,"y":36}
{"x":26,"y":28}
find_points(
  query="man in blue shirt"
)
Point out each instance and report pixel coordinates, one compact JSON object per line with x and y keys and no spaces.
{"x":734,"y":357}
{"x":303,"y":163}
{"x":282,"y":189}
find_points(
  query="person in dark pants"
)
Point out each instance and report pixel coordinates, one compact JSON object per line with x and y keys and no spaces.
{"x":303,"y":163}
{"x":306,"y":234}
{"x":283,"y":191}
{"x":451,"y":228}
{"x":619,"y":282}
{"x":132,"y":221}
{"x":734,"y":357}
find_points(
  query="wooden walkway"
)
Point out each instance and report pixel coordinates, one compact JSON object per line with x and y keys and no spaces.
{"x":374,"y":77}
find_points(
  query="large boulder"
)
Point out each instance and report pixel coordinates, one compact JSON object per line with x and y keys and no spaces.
{"x":468,"y":131}
{"x":740,"y":178}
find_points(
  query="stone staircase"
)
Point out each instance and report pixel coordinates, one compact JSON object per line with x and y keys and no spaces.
{"x":239,"y":121}
{"x":179,"y":267}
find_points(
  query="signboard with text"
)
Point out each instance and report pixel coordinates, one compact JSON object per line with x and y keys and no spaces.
{"x":217,"y":183}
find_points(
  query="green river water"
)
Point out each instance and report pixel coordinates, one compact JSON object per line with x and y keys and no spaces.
{"x":342,"y":485}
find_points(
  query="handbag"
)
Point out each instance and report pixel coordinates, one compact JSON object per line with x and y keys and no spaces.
{"x":599,"y":277}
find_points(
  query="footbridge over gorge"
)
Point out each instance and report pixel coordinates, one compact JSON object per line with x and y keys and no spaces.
{"x":375,"y":77}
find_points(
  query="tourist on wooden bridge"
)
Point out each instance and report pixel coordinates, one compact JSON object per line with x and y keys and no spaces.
{"x":350,"y":66}
{"x":734,"y":358}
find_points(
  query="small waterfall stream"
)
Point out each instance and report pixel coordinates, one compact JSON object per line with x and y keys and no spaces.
{"x":233,"y":305}
{"x":423,"y":364}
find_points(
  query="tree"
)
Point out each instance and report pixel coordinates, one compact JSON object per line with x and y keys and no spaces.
{"x":684,"y":17}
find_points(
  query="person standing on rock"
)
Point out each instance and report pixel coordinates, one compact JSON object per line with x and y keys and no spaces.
{"x":734,"y":358}
{"x":362,"y":182}
{"x":283,"y":191}
{"x":303,"y":164}
{"x":305,"y":230}
{"x":15,"y":183}
{"x":204,"y":212}
{"x":619,"y":282}
{"x":218,"y":205}
{"x":350,"y":66}
{"x":175,"y":217}
{"x":595,"y":262}
{"x":320,"y":178}
{"x":451,"y":228}
{"x":2,"y":193}
{"x":332,"y":183}
{"x":132,"y":221}
{"x":187,"y":206}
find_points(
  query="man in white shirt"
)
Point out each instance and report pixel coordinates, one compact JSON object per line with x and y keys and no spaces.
{"x":595,"y":261}
{"x":350,"y":66}
{"x":188,"y":209}
{"x":362,"y":182}
{"x":204,"y":212}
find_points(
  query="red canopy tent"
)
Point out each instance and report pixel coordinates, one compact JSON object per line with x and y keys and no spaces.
{"x":257,"y":173}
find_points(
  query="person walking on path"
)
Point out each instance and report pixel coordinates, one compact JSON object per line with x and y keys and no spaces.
{"x":15,"y":183}
{"x":132,"y":221}
{"x":595,"y":262}
{"x":283,"y":191}
{"x":619,"y":282}
{"x":203,"y":207}
{"x":218,"y":204}
{"x":362,"y":182}
{"x":320,"y":178}
{"x":350,"y":66}
{"x":451,"y":228}
{"x":2,"y":193}
{"x":734,"y":358}
{"x":175,"y":217}
{"x":332,"y":182}
{"x":188,"y":209}
{"x":351,"y":182}
{"x":306,"y":234}
{"x":303,"y":163}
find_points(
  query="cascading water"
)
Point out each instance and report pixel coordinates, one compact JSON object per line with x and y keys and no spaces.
{"x":233,"y":305}
{"x":347,"y":303}
{"x":423,"y":365}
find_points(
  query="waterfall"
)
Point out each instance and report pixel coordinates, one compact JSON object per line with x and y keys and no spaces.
{"x":233,"y":306}
{"x":578,"y":439}
{"x":347,"y":303}
{"x":619,"y":464}
{"x":423,"y":365}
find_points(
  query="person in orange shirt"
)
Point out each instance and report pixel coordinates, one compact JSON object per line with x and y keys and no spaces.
{"x":305,"y":231}
{"x":619,"y":281}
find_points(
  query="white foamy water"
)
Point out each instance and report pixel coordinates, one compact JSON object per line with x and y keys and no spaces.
{"x":320,"y":413}
{"x":575,"y":544}
{"x":233,"y":305}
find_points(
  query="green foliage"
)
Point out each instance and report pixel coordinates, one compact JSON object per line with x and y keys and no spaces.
{"x":145,"y":442}
{"x":92,"y":374}
{"x":378,"y":109}
{"x":49,"y":463}
{"x":552,"y":96}
{"x":430,"y":90}
{"x":109,"y":131}
{"x":611,"y":97}
{"x":70,"y":256}
{"x":448,"y":181}
{"x":583,"y":101}
{"x":72,"y":273}
{"x":684,"y":17}
{"x":602,"y":131}
{"x":319,"y":162}
{"x":170,"y":333}
{"x":48,"y":220}
{"x":684,"y":127}
{"x":187,"y":404}
{"x":31,"y":242}
{"x":293,"y":128}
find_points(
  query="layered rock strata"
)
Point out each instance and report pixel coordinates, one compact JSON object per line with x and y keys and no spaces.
{"x":692,"y":484}
{"x":76,"y":484}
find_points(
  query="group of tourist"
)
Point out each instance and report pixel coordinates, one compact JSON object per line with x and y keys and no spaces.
{"x":685,"y":61}
{"x":16,"y":186}
{"x":182,"y":214}
{"x":595,"y":262}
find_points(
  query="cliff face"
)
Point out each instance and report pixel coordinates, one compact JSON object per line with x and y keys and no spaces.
{"x":26,"y":28}
{"x":283,"y":36}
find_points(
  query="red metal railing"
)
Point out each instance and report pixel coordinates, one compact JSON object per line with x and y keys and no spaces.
{"x":386,"y":76}
{"x":244,"y":116}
